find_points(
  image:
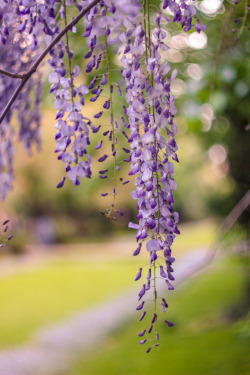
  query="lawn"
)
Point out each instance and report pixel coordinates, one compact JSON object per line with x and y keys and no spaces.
{"x":207,"y":338}
{"x":38,"y":295}
{"x":35,"y":298}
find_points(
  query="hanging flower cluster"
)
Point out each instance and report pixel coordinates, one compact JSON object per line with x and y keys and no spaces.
{"x":145,"y":119}
{"x":16,"y":57}
{"x":151,"y":113}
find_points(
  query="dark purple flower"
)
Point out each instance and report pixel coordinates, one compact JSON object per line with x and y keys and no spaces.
{"x":142,"y":316}
{"x":102,"y":158}
{"x":99,"y":145}
{"x":141,"y":333}
{"x":140,"y":306}
{"x":150,"y":328}
{"x":154,"y":318}
{"x":138,"y":275}
{"x":170,"y":324}
{"x":138,"y":249}
{"x":98,"y":115}
{"x":61,"y":183}
{"x":103,"y":80}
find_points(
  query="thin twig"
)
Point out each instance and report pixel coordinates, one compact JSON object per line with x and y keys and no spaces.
{"x":244,"y":20}
{"x":12,"y":75}
{"x":227,"y":224}
{"x":34,"y":67}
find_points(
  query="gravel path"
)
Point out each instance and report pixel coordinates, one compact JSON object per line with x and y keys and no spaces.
{"x":55,"y":347}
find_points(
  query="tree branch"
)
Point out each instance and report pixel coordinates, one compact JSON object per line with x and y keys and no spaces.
{"x":229,"y":221}
{"x":34,"y":67}
{"x":12,"y":75}
{"x":227,"y":224}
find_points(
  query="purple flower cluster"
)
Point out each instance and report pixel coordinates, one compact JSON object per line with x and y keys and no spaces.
{"x":183,"y":13}
{"x":72,"y":128}
{"x":151,"y":112}
{"x":16,"y":59}
{"x":103,"y":26}
{"x":29,"y":26}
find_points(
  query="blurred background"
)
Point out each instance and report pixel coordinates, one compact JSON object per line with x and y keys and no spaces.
{"x":66,"y":259}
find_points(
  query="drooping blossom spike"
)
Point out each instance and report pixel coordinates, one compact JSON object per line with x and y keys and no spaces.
{"x":148,"y":117}
{"x":150,"y":108}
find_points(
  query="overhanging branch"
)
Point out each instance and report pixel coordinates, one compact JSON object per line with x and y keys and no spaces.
{"x":34,"y":67}
{"x":12,"y":75}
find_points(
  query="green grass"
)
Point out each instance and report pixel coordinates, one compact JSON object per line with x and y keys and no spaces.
{"x":194,"y":235}
{"x":204,"y":341}
{"x":35,"y":298}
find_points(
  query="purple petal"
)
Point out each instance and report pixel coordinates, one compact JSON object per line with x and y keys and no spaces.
{"x":170,"y":324}
{"x":137,"y":251}
{"x":153,"y":245}
{"x":142,"y":316}
{"x":141,"y":333}
{"x":140,"y":306}
{"x":102,"y":158}
{"x":99,"y":145}
{"x":61,"y":183}
{"x":138,"y":275}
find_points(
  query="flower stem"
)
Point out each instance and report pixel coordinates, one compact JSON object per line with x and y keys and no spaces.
{"x":244,"y":20}
{"x":145,"y":28}
{"x":112,"y":123}
{"x":148,"y":30}
{"x":69,"y":60}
